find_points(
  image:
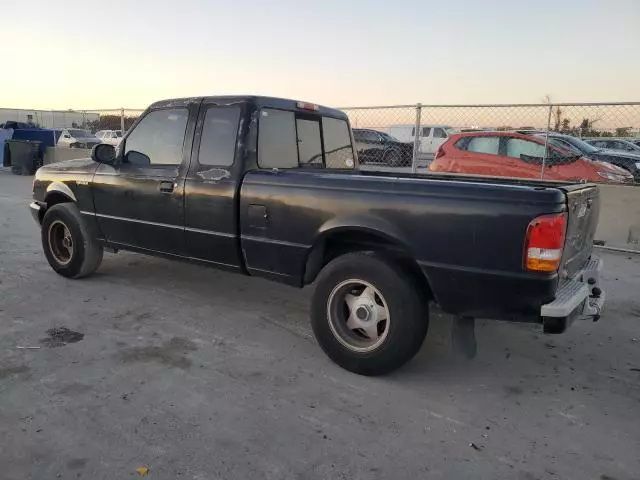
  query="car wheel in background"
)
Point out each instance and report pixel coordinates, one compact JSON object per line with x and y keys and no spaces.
{"x":367,"y":313}
{"x":393,"y":158}
{"x":70,"y":248}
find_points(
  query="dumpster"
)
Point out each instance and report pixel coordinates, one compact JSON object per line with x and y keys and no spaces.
{"x":25,"y":157}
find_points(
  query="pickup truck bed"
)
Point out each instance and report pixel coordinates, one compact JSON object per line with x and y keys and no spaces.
{"x":270,"y":188}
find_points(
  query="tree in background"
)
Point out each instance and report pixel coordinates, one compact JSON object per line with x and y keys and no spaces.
{"x":623,"y":132}
{"x":110,"y":122}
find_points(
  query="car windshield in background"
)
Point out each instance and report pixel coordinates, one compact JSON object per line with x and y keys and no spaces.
{"x":583,"y":146}
{"x":118,"y":133}
{"x":386,"y":136}
{"x":450,"y":130}
{"x":80,"y":134}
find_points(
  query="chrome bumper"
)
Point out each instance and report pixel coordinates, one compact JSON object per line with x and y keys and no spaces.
{"x":580,"y":297}
{"x":35,"y":208}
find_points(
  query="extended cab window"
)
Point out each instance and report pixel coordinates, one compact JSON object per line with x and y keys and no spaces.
{"x":286,"y":140}
{"x":158,"y":138}
{"x":337,"y":143}
{"x":219,"y":133}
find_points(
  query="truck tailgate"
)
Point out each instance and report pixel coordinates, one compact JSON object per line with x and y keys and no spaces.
{"x":583,"y":208}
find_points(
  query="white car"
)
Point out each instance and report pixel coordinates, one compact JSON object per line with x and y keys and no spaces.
{"x":77,"y":138}
{"x":430,"y":136}
{"x":112,"y":137}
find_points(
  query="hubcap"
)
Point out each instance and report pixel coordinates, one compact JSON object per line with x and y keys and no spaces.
{"x":60,"y":242}
{"x":358,"y":315}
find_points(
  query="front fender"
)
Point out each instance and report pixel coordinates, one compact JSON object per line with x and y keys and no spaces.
{"x":60,"y":188}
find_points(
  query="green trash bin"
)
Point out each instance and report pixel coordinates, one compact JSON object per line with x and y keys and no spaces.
{"x":25,"y":157}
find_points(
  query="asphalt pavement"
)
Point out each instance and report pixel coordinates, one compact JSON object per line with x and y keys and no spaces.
{"x":171,"y":370}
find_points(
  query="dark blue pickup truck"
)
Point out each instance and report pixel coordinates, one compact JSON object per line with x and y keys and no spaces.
{"x":271,"y":188}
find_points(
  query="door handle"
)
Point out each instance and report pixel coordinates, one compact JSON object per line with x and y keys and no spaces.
{"x":166,"y":187}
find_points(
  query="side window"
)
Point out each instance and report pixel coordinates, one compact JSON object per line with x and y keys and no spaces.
{"x":357,"y":135}
{"x":158,"y":138}
{"x":337,"y":143}
{"x":517,"y":147}
{"x":277,"y":139}
{"x":219,"y":133}
{"x":426,"y":131}
{"x":309,"y":143}
{"x":489,"y":145}
{"x":439,"y":133}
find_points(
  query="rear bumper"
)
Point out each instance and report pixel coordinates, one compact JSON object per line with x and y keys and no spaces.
{"x":580,"y":297}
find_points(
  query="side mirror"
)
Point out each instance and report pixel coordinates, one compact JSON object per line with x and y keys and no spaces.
{"x":103,"y":153}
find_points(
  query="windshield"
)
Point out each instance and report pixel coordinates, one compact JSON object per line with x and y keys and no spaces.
{"x":80,"y":134}
{"x":451,"y":131}
{"x":118,"y":133}
{"x":581,"y":145}
{"x":386,"y":136}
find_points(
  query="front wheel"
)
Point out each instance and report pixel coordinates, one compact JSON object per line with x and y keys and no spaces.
{"x":70,"y":248}
{"x":393,"y":158}
{"x":367,"y":314}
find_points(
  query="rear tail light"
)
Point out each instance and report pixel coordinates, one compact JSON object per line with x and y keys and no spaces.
{"x":544,"y":243}
{"x":439,"y":153}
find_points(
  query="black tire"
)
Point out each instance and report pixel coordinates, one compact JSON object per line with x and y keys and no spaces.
{"x":408,"y":314}
{"x":393,"y":158}
{"x":85,"y":255}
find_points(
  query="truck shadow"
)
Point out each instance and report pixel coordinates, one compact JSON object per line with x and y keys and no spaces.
{"x":501,"y":345}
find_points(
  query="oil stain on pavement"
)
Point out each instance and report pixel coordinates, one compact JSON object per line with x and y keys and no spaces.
{"x":171,"y":353}
{"x":60,"y":336}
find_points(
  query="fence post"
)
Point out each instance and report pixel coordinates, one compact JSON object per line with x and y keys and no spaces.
{"x":416,"y":139}
{"x":122,"y":120}
{"x":546,"y":142}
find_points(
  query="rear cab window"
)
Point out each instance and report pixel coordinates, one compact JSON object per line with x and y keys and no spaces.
{"x":289,"y":139}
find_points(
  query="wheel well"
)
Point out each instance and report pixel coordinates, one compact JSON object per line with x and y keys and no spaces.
{"x":54,"y":198}
{"x":348,"y":241}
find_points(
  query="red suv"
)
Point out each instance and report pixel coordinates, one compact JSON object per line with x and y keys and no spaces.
{"x":510,"y":154}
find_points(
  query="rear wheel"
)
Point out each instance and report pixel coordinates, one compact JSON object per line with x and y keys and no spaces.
{"x":70,"y":248}
{"x":367,"y":314}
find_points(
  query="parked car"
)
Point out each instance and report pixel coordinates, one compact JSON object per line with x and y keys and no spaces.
{"x":626,"y":160}
{"x":269,"y":187}
{"x":510,"y":154}
{"x":77,"y":138}
{"x":112,"y":137}
{"x":430,"y":136}
{"x":379,"y":147}
{"x":615,"y":144}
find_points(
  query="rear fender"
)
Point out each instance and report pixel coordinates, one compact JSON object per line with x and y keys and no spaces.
{"x":366,"y":226}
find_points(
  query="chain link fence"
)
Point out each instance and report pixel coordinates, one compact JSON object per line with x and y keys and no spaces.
{"x":541,"y":141}
{"x":544,"y":141}
{"x":92,"y":120}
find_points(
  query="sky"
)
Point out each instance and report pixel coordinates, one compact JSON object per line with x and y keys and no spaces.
{"x":92,"y":54}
